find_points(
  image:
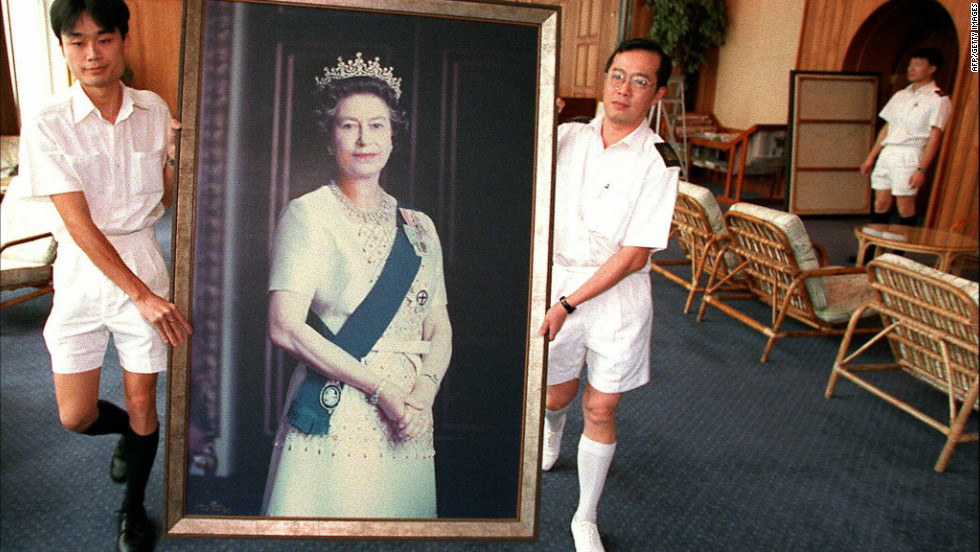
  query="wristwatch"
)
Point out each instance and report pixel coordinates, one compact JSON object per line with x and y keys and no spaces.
{"x":568,"y":308}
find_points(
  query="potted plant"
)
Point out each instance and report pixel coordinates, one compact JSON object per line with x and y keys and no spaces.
{"x":687,"y":29}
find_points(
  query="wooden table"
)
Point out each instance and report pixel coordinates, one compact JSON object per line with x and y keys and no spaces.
{"x":728,"y":143}
{"x":947,"y":246}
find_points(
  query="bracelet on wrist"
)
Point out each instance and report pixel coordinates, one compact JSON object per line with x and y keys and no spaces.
{"x":373,"y":398}
{"x":564,"y":303}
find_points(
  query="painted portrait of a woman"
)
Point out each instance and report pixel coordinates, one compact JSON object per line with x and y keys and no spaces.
{"x":357,"y":296}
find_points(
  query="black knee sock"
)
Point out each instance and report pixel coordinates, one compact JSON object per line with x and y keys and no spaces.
{"x":909,"y":221}
{"x":879,"y":218}
{"x":112,"y":419}
{"x":141,"y":451}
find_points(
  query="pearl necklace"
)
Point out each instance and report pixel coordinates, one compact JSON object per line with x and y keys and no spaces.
{"x":379,"y":215}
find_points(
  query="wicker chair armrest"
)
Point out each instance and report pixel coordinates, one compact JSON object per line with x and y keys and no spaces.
{"x":20,"y":241}
{"x":822,"y":258}
{"x":831,"y":271}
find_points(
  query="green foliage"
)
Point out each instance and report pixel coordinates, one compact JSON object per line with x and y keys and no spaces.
{"x":687,"y":29}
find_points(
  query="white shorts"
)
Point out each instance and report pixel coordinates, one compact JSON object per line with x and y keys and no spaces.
{"x":894,"y":168}
{"x":88,"y":307}
{"x":609,"y":333}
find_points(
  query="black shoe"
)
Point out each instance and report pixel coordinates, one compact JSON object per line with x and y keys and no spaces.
{"x":135,"y":533}
{"x":117,"y":465}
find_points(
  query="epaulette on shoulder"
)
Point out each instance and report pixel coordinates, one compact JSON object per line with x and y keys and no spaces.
{"x":668,"y":154}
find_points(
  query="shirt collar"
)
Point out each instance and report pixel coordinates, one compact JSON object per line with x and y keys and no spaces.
{"x":632,"y":140}
{"x":82,"y":106}
{"x":925,"y":88}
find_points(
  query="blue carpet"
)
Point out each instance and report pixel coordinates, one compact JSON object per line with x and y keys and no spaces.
{"x":719,"y":452}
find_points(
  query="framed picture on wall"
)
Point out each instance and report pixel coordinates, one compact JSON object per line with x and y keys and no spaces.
{"x":362,"y":234}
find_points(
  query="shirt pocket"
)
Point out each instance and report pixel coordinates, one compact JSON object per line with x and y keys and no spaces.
{"x":146,"y":174}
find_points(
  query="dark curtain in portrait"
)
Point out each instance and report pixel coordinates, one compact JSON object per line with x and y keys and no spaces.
{"x":467,"y":160}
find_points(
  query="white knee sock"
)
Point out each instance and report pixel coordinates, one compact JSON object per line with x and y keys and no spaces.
{"x":593,"y":466}
{"x":554,"y":426}
{"x":554,"y":420}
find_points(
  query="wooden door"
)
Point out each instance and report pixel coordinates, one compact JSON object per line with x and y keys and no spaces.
{"x":832,"y":128}
{"x":589,"y":33}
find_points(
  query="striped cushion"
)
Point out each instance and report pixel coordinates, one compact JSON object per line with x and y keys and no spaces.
{"x":708,"y":202}
{"x":799,"y":240}
{"x":716,"y":219}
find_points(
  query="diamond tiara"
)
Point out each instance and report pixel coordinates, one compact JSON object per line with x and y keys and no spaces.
{"x":358,"y":68}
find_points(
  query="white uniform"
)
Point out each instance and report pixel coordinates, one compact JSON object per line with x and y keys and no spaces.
{"x":69,"y":147}
{"x":360,"y":469}
{"x":605,"y":199}
{"x":910,"y":114}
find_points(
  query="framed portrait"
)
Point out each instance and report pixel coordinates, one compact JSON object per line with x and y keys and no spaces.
{"x":470,"y":115}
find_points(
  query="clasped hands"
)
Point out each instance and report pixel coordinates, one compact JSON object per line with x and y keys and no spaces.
{"x":410,"y":413}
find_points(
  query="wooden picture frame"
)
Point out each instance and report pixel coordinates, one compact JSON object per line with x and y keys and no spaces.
{"x":478,"y":87}
{"x":832,"y":118}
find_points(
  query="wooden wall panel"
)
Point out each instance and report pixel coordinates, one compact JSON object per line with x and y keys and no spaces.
{"x":154,"y":46}
{"x":589,"y":33}
{"x":957,"y":179}
{"x":9,"y":119}
{"x":829,"y":26}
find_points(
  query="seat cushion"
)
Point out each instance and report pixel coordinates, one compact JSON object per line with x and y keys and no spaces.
{"x":40,"y":251}
{"x":845,"y":294}
{"x":799,"y":240}
{"x":21,"y":217}
{"x":716,"y":219}
{"x":16,"y":273}
{"x":708,"y":202}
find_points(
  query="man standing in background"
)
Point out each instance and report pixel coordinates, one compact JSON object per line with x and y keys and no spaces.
{"x":915,"y":118}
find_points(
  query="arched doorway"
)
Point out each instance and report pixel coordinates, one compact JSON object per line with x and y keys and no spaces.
{"x":885,"y":41}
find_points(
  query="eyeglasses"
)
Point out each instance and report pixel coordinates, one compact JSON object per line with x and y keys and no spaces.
{"x":618,"y":78}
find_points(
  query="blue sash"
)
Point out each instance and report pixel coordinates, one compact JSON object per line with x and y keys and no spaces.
{"x":317,"y":396}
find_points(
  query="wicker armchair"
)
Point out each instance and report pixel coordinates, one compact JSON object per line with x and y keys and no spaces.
{"x":788,"y":272}
{"x":931,"y":322}
{"x":700,"y":229}
{"x":28,"y":250}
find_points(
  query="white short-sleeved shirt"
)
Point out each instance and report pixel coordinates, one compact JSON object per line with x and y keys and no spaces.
{"x":69,"y":147}
{"x":317,"y":255}
{"x":608,"y":198}
{"x":911,"y":114}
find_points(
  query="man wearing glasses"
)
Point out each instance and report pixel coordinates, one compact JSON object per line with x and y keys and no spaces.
{"x":616,"y":183}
